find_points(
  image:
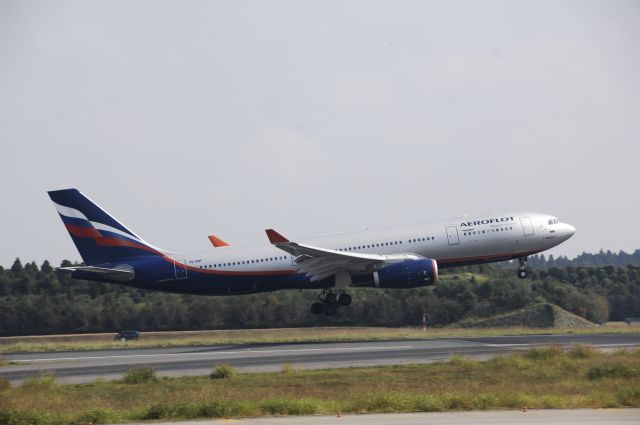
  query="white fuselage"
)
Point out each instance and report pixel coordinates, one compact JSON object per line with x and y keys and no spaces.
{"x":453,"y":242}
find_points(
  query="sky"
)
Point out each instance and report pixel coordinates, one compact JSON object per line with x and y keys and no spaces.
{"x":187,"y":118}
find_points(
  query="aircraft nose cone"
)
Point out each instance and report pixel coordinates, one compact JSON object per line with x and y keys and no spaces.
{"x":569,"y":230}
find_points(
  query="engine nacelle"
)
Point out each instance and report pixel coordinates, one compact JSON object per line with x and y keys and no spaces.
{"x":407,"y":274}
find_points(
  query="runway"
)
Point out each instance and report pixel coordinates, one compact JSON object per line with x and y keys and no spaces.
{"x":85,"y":366}
{"x":511,"y":417}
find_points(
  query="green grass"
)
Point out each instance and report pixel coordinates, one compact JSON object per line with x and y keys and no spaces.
{"x":287,"y":335}
{"x":140,"y":376}
{"x":540,"y":378}
{"x":223,"y":371}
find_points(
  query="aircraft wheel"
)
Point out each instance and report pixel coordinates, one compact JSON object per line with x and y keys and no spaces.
{"x":317,"y":308}
{"x":344,"y":299}
{"x":522,"y":274}
{"x":330,"y":298}
{"x":330,"y":309}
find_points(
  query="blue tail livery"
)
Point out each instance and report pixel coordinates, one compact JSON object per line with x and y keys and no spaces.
{"x":400,"y":257}
{"x":100,"y":238}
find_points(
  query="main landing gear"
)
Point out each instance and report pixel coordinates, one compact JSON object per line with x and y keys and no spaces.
{"x":522,"y":270}
{"x":329,"y":301}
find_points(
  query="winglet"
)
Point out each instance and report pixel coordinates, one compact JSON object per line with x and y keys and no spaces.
{"x":217,"y":242}
{"x":275,"y":237}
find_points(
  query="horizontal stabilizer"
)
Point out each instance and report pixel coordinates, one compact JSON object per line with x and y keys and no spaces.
{"x":120,"y":273}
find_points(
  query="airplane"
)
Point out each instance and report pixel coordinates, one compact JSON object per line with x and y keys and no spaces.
{"x":400,"y":257}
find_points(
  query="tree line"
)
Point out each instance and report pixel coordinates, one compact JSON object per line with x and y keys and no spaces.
{"x":586,"y":259}
{"x":41,"y":300}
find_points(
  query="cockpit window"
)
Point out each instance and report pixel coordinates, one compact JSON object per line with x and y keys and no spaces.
{"x":550,"y":221}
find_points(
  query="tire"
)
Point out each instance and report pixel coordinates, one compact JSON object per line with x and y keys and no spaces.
{"x":330,"y":298}
{"x":330,"y":309}
{"x":344,"y":299}
{"x":522,"y":274}
{"x":317,"y":308}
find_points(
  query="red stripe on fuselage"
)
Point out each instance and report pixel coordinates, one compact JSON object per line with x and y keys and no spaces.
{"x":239,"y":273}
{"x":487,"y":257}
{"x":288,"y":272}
{"x":225,"y":272}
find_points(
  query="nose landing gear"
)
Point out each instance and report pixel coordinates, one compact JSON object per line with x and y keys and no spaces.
{"x":522,"y":269}
{"x":329,"y":301}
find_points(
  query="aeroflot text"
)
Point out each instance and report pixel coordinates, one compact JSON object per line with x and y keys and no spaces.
{"x":488,"y":221}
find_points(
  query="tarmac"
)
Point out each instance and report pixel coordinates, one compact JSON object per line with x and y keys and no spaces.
{"x":86,"y":366}
{"x":515,"y":417}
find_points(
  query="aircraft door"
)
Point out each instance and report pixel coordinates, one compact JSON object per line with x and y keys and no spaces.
{"x":452,"y":235}
{"x":527,"y":226}
{"x":180,"y":268}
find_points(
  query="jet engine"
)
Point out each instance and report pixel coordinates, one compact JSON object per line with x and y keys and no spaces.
{"x":407,"y":274}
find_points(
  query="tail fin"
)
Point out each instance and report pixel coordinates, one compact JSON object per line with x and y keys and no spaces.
{"x":99,"y":237}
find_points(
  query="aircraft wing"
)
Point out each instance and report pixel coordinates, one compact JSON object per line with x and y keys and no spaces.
{"x":319,"y":263}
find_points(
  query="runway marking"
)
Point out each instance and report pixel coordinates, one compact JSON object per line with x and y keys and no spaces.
{"x":303,"y":350}
{"x":631,"y":344}
{"x":220,"y":352}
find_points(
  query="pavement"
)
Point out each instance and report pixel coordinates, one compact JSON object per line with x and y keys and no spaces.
{"x":515,"y":417}
{"x":86,"y":366}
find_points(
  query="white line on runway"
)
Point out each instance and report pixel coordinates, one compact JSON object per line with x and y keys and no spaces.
{"x":538,"y":344}
{"x":220,"y":352}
